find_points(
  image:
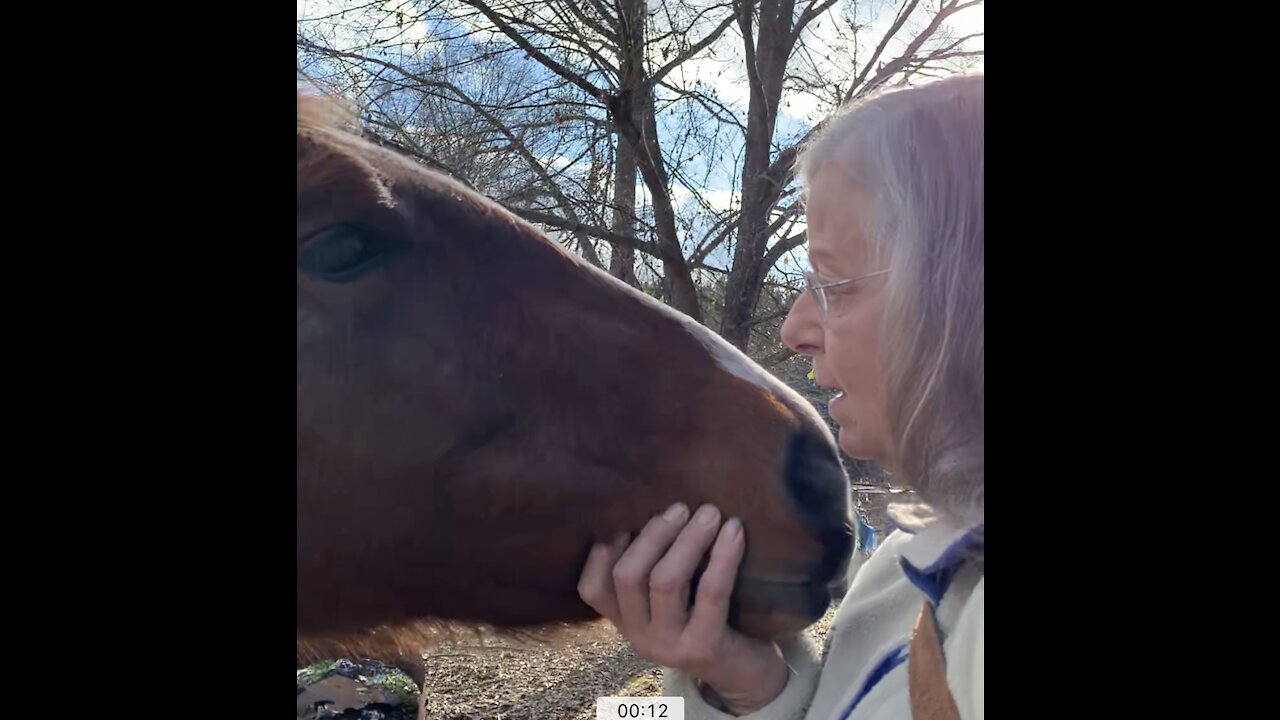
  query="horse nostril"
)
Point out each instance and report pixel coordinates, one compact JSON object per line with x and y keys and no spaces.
{"x":816,"y":482}
{"x":819,"y":490}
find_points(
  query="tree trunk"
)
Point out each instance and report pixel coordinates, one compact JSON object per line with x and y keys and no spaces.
{"x":622,"y":264}
{"x":766,"y":56}
{"x":633,"y":113}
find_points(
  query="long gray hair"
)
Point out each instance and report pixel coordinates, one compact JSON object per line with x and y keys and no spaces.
{"x":919,"y":153}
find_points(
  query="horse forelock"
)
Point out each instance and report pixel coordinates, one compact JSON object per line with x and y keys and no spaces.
{"x":329,"y":149}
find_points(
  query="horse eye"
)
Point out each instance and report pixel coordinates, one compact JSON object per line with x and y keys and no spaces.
{"x":342,"y":254}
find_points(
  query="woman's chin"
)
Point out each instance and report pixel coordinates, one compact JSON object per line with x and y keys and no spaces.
{"x":848,"y":441}
{"x":858,"y":447}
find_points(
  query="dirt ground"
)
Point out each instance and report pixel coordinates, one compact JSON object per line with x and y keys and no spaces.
{"x":506,"y":681}
{"x":501,"y":678}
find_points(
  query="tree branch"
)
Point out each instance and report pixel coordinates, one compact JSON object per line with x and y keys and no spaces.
{"x":604,"y":12}
{"x":780,"y":170}
{"x":782,"y":247}
{"x":415,"y":151}
{"x":645,"y":246}
{"x":575,"y":39}
{"x":412,"y":149}
{"x":762,"y":319}
{"x":535,"y":53}
{"x":704,"y":101}
{"x":921,"y":62}
{"x":695,"y":48}
{"x":898,"y":22}
{"x":949,"y":8}
{"x":787,"y":214}
{"x":609,"y":34}
{"x":959,"y":41}
{"x":808,"y":16}
{"x":729,"y":221}
{"x":743,"y":11}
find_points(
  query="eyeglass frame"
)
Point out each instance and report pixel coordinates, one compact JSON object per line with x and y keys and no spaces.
{"x":812,"y":285}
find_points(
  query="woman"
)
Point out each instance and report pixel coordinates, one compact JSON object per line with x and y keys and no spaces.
{"x":894,"y":321}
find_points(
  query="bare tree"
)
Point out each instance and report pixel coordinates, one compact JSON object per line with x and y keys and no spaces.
{"x":771,"y":31}
{"x":555,"y":108}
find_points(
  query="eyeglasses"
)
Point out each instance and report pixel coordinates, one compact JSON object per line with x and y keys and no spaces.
{"x":811,"y":284}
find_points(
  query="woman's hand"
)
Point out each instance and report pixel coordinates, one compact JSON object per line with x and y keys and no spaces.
{"x":643,"y":589}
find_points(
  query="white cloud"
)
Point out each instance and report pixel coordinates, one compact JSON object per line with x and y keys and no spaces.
{"x":719,"y":199}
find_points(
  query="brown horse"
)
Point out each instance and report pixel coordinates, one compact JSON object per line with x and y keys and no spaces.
{"x":477,"y":406}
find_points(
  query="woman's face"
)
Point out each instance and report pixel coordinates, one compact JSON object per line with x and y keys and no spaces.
{"x":845,"y":344}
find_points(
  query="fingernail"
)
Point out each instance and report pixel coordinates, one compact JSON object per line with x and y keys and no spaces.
{"x":733,"y":529}
{"x":676,"y":512}
{"x":707,"y":515}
